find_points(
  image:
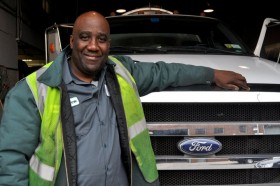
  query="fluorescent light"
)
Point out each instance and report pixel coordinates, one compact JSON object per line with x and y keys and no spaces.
{"x":26,"y":59}
{"x":121,"y":10}
{"x":208,"y":10}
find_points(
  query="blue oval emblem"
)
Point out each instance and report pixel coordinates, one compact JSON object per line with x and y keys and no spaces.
{"x":199,"y":146}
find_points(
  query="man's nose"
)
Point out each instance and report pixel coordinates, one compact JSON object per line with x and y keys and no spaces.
{"x":93,"y":45}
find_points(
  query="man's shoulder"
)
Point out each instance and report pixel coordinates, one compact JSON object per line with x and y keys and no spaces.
{"x":125,"y":60}
{"x":20,"y":89}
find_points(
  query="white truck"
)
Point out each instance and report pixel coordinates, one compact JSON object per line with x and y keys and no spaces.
{"x":201,"y":134}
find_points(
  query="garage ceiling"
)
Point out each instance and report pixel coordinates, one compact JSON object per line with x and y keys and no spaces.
{"x":228,"y":10}
{"x":244,"y":17}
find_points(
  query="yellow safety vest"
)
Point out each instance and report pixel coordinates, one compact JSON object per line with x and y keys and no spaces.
{"x":45,"y":162}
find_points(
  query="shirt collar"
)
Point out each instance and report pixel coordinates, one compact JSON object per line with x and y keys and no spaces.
{"x":68,"y":77}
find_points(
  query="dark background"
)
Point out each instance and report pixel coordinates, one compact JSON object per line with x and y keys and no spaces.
{"x":244,"y":17}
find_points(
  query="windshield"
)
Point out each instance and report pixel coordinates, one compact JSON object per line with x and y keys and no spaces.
{"x":172,"y":34}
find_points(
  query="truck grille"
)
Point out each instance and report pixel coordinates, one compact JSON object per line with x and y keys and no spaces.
{"x":203,"y":112}
{"x":218,"y":177}
{"x":234,"y":145}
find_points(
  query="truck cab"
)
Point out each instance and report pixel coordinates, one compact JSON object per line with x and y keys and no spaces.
{"x":202,"y":134}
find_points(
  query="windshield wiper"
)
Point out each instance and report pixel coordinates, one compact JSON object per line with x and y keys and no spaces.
{"x":130,"y":49}
{"x":202,"y":49}
{"x":172,"y":49}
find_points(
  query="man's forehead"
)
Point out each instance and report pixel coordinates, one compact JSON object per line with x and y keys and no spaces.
{"x":90,"y":24}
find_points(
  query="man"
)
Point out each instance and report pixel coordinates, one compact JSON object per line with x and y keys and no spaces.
{"x":79,"y":120}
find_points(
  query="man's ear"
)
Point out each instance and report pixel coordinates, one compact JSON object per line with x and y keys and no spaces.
{"x":71,"y":41}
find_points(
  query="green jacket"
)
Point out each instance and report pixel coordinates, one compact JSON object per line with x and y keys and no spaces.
{"x":20,"y":124}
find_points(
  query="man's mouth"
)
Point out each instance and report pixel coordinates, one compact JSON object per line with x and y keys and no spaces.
{"x":92,"y":57}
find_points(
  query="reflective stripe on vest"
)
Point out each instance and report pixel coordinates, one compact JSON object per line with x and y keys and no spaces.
{"x":45,"y":162}
{"x":44,"y":171}
{"x":140,"y":143}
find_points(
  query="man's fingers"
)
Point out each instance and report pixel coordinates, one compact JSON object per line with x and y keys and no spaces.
{"x":241,"y":83}
{"x":231,"y":87}
{"x":245,"y":87}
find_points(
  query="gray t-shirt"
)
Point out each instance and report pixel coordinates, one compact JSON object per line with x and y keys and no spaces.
{"x":98,"y":148}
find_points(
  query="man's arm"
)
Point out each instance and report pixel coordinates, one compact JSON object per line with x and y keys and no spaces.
{"x":19,"y":134}
{"x":157,"y":76}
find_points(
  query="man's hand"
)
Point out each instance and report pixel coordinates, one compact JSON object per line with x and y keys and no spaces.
{"x":230,"y":80}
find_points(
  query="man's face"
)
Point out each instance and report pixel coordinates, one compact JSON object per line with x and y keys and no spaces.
{"x":90,"y":46}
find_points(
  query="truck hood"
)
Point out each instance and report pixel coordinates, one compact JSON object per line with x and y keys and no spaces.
{"x":255,"y":69}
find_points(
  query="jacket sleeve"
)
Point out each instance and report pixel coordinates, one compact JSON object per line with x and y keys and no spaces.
{"x":156,"y":76}
{"x":19,"y":135}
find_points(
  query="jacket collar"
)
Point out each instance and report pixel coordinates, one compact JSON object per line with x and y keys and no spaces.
{"x":53,"y":75}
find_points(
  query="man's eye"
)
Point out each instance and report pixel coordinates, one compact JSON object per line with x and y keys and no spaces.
{"x":102,"y":39}
{"x":84,"y":37}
